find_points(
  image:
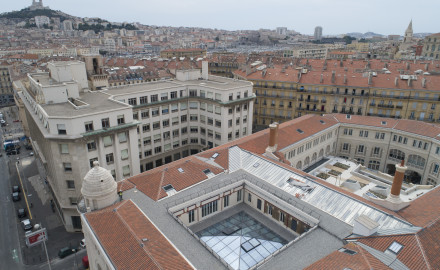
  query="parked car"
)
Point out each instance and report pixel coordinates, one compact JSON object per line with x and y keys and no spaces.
{"x":28,"y":147}
{"x":15,"y":197}
{"x":85,"y":262}
{"x":15,"y":189}
{"x":66,"y":251}
{"x":31,"y":153}
{"x":83,"y":243}
{"x":13,"y":152}
{"x":26,"y":224}
{"x":21,"y":213}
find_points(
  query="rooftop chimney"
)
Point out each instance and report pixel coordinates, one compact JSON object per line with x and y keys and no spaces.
{"x":398,"y":179}
{"x":273,"y":141}
{"x":393,"y":201}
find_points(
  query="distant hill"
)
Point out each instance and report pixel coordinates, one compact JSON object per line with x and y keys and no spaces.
{"x":26,"y":14}
{"x":365,"y":35}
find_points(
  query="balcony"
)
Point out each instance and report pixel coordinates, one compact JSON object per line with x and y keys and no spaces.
{"x":312,"y":100}
{"x":399,"y":107}
{"x":372,"y":105}
{"x":385,"y":106}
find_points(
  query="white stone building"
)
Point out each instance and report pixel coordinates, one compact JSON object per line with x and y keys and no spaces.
{"x":71,"y":127}
{"x":127,"y":129}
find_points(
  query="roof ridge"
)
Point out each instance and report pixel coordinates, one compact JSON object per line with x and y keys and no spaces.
{"x":162,"y":178}
{"x":363,"y":256}
{"x":423,"y":252}
{"x":379,"y":236}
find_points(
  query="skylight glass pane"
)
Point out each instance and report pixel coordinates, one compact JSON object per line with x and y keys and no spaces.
{"x":395,"y":247}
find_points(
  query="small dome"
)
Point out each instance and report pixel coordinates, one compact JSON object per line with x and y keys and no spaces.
{"x":98,"y":182}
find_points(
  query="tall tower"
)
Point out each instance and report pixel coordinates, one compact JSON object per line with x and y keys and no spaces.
{"x":408,"y":33}
{"x":318,"y":33}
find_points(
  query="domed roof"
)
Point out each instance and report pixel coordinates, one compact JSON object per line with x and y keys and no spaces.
{"x":98,"y":182}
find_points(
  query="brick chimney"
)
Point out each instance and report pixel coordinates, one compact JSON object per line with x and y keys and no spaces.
{"x":398,"y":179}
{"x":273,"y":141}
{"x":393,"y":201}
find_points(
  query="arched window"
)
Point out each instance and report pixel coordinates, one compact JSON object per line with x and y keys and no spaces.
{"x":431,"y":182}
{"x":321,"y":152}
{"x":306,"y":162}
{"x":314,"y":157}
{"x":397,"y":154}
{"x":374,"y":165}
{"x":435,"y":168}
{"x":327,"y":150}
{"x":416,"y":160}
{"x":299,"y":165}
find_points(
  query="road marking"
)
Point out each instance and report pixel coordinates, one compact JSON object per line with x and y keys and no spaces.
{"x":22,"y":188}
{"x":15,"y":255}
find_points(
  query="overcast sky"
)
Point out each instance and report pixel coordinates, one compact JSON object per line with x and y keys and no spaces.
{"x":335,"y":16}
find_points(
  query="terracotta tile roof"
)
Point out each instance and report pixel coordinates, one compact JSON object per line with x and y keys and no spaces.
{"x":423,"y":210}
{"x":151,"y":182}
{"x":429,"y":238}
{"x":222,"y":159}
{"x":411,"y":126}
{"x":341,"y":260}
{"x":411,"y":254}
{"x":125,"y":185}
{"x":287,"y":132}
{"x":120,"y":229}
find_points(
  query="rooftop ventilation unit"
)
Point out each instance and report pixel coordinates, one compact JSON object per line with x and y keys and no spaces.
{"x":180,"y":170}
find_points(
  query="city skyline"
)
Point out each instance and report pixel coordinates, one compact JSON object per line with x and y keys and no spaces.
{"x":283,"y":13}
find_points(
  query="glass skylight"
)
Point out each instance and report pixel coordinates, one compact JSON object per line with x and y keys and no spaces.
{"x":241,"y":240}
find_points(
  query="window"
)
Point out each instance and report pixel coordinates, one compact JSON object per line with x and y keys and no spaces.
{"x":92,"y":160}
{"x":259,"y":204}
{"x":73,"y":201}
{"x":91,"y":145}
{"x":154,"y":98}
{"x":193,"y":105}
{"x":194,"y":129}
{"x":148,"y":153}
{"x":146,"y":128}
{"x":376,"y":151}
{"x":88,"y":126}
{"x":164,"y":96}
{"x":166,"y":123}
{"x":147,"y":140}
{"x":156,"y":125}
{"x":173,"y":94}
{"x":67,"y":167}
{"x":249,"y":197}
{"x":155,"y":112}
{"x":121,"y":120}
{"x":167,"y":135}
{"x":184,"y":130}
{"x":193,"y":117}
{"x":107,"y":140}
{"x":282,"y":216}
{"x":239,"y":193}
{"x":61,"y":129}
{"x":209,"y":208}
{"x":64,"y":148}
{"x":143,"y":100}
{"x":361,"y":149}
{"x":126,"y":170}
{"x":122,"y":137}
{"x":132,"y":101}
{"x":269,"y":210}
{"x":183,"y":118}
{"x":157,"y":149}
{"x":395,"y":247}
{"x":109,"y":158}
{"x":70,"y":184}
{"x":374,"y":165}
{"x":226,"y":201}
{"x":105,"y":123}
{"x":191,"y":216}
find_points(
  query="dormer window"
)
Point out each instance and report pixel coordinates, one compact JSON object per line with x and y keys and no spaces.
{"x":395,"y":247}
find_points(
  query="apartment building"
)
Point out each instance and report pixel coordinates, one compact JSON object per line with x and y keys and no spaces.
{"x":181,"y":117}
{"x":394,"y":89}
{"x":127,"y":129}
{"x":6,"y":90}
{"x":70,"y":127}
{"x":431,"y":47}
